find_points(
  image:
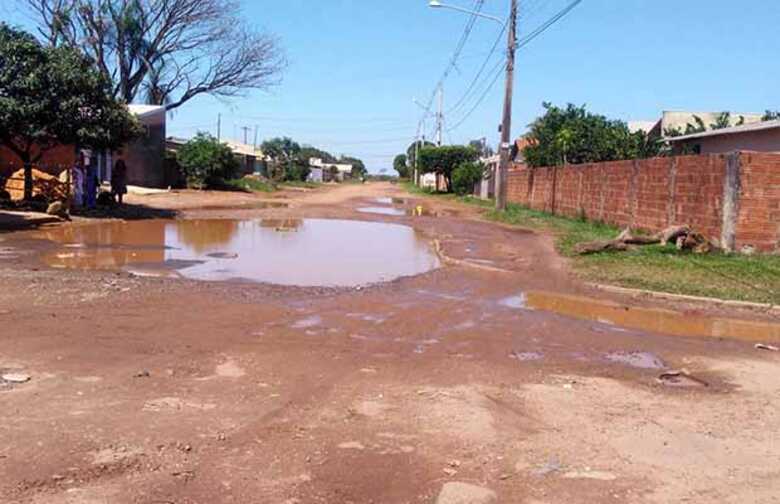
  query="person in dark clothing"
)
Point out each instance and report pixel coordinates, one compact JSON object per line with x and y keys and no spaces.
{"x":119,"y":180}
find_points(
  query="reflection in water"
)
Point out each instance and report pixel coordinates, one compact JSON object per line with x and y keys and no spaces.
{"x":320,"y":253}
{"x":282,"y":225}
{"x":382,"y":210}
{"x":201,"y":235}
{"x":653,"y":319}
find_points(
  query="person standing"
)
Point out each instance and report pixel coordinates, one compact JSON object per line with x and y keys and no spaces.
{"x":119,"y":180}
{"x":78,"y":182}
{"x":91,"y":182}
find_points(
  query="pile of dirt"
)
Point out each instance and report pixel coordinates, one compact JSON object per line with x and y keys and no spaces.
{"x":48,"y":186}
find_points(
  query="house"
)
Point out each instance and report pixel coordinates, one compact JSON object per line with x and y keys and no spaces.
{"x":145,"y":156}
{"x":322,"y":172}
{"x":679,"y":120}
{"x":762,"y":136}
{"x":249,"y":157}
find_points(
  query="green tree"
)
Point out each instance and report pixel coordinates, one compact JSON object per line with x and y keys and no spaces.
{"x":574,"y":135}
{"x":444,"y":160}
{"x":55,"y":96}
{"x":482,"y":148}
{"x":722,"y":120}
{"x":466,"y":176}
{"x":283,"y":154}
{"x":308,"y":152}
{"x":358,"y":167}
{"x":770,"y":115}
{"x":399,"y":165}
{"x":411,"y":153}
{"x":207,"y":162}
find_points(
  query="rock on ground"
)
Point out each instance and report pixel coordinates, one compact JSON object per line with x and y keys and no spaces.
{"x":465,"y":493}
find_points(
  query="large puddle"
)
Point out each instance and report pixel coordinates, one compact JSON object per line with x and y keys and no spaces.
{"x":653,"y":319}
{"x":311,"y":252}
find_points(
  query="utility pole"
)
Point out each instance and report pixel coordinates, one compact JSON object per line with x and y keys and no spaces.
{"x":506,"y":124}
{"x":255,"y":144}
{"x":219,"y":127}
{"x":246,"y":134}
{"x":440,"y":117}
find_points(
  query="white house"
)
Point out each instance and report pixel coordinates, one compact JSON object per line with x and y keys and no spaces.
{"x":321,"y":172}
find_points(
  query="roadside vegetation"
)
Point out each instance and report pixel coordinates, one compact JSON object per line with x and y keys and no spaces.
{"x":659,"y":268}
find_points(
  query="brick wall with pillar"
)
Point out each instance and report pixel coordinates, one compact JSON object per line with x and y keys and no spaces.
{"x":733,"y":199}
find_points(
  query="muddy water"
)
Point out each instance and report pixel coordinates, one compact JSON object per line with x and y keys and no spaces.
{"x":653,"y":319}
{"x":312,"y":252}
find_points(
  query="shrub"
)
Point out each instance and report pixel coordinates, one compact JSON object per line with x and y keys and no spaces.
{"x":465,"y":176}
{"x":207,"y":162}
{"x":445,"y":160}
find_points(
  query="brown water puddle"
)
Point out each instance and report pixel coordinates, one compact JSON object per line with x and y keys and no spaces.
{"x":653,"y":319}
{"x":311,"y":252}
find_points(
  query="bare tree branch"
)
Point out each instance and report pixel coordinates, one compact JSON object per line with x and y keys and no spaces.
{"x":172,"y":50}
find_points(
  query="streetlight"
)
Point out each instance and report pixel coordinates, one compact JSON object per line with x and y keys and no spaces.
{"x":438,"y":5}
{"x":506,"y":124}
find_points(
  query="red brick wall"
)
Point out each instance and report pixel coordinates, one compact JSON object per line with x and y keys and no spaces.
{"x":758,"y":215}
{"x":654,"y":193}
{"x":53,"y":161}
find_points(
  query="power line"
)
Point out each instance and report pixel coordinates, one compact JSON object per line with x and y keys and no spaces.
{"x":479,"y":72}
{"x":522,"y":42}
{"x":478,"y":4}
{"x":500,"y":69}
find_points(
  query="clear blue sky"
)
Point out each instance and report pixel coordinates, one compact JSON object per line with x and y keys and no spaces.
{"x":356,"y":65}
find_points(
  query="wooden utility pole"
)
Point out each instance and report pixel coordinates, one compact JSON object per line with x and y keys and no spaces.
{"x":219,"y":127}
{"x":506,"y":124}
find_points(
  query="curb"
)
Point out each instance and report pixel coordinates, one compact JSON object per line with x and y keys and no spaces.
{"x":765,"y":307}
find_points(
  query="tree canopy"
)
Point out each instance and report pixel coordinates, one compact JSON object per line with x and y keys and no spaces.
{"x":206,"y":161}
{"x":168,"y":51}
{"x":399,"y":165}
{"x":482,"y":148}
{"x":574,"y":135}
{"x":411,"y":151}
{"x":55,"y":96}
{"x":444,"y":160}
{"x":358,"y":167}
{"x":771,"y":115}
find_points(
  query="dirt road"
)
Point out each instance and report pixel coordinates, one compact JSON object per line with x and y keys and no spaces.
{"x":443,"y":387}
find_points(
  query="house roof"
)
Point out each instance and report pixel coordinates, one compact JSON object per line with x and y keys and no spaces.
{"x":141,"y":111}
{"x":646,"y":126}
{"x":745,"y":128}
{"x":243,"y":149}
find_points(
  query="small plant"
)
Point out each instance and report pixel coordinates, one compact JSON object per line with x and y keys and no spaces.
{"x":207,"y":162}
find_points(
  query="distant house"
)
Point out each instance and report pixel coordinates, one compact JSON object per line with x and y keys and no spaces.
{"x":679,"y":120}
{"x":762,"y":136}
{"x":322,"y":172}
{"x":145,"y":156}
{"x":249,"y":158}
{"x":248,"y":155}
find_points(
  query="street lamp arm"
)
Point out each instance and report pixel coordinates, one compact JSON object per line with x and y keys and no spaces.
{"x":438,"y":4}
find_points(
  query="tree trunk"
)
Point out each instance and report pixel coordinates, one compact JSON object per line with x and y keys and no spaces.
{"x":28,"y":178}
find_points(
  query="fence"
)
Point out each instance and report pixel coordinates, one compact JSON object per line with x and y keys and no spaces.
{"x":733,"y":199}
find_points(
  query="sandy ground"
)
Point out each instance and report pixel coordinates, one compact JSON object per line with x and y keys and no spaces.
{"x":149,"y":390}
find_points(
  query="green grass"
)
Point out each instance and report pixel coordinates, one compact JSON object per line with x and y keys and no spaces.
{"x":251,"y":185}
{"x":654,"y":267}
